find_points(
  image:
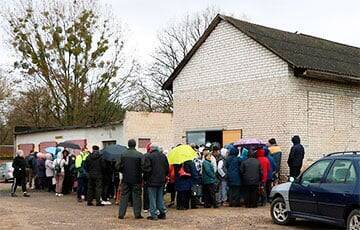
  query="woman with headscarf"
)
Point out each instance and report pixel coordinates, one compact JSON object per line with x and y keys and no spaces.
{"x":49,"y":171}
{"x":59,"y":164}
{"x":19,"y":165}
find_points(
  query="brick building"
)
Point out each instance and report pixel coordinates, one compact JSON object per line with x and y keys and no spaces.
{"x":242,"y":79}
{"x":142,"y":126}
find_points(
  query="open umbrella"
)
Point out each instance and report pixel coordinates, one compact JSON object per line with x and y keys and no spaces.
{"x":181,"y":154}
{"x":53,"y":150}
{"x":250,"y":141}
{"x":68,"y":145}
{"x":113,"y":152}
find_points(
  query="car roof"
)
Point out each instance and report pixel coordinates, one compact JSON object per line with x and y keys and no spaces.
{"x":343,"y":155}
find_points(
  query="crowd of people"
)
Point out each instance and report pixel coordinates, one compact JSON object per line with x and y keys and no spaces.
{"x":218,"y":176}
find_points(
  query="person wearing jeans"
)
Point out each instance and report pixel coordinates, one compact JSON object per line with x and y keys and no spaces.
{"x":59,"y":164}
{"x":81,"y":175}
{"x":156,"y":168}
{"x":156,"y":201}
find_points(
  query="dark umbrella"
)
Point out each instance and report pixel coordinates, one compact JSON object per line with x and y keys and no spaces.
{"x":113,"y":152}
{"x":69,"y":145}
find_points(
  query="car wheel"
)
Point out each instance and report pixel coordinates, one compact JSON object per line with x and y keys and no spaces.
{"x":279,"y":214}
{"x":353,"y":221}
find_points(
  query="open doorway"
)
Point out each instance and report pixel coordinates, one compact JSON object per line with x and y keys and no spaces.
{"x":223,"y":137}
{"x":203,"y":137}
{"x":214,"y":136}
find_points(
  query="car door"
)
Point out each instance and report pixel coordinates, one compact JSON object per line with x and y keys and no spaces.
{"x":302,"y":194}
{"x":337,"y":190}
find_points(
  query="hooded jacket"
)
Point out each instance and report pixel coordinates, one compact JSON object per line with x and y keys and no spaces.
{"x":209,"y":176}
{"x":250,"y":171}
{"x":297,"y":153}
{"x":276,"y":154}
{"x":184,"y":183}
{"x":264,"y":164}
{"x":233,"y":163}
{"x":156,"y":168}
{"x":94,"y":165}
{"x":273,"y":168}
{"x":19,"y":165}
{"x":244,"y":154}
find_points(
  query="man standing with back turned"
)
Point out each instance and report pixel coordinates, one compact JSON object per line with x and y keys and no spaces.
{"x":130,"y":166}
{"x":296,"y":157}
{"x":94,"y":165}
{"x":156,"y":169}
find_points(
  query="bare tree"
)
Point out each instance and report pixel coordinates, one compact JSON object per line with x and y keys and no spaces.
{"x":174,"y":42}
{"x":74,"y":51}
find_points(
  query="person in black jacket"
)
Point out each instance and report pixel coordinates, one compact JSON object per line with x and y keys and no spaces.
{"x":19,"y":165}
{"x":94,"y":165}
{"x":250,"y":171}
{"x":156,"y":168}
{"x":130,"y":165}
{"x":296,"y":157}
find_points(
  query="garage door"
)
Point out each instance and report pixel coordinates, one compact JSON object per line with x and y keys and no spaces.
{"x":27,"y":148}
{"x":45,"y":144}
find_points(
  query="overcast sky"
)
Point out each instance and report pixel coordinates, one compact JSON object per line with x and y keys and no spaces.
{"x":334,"y":20}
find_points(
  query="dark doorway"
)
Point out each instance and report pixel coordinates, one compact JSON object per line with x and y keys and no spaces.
{"x":214,"y":136}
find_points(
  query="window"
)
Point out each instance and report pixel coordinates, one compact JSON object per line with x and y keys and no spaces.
{"x":197,"y":138}
{"x":351,"y":177}
{"x":107,"y":143}
{"x":143,"y":142}
{"x":339,"y":171}
{"x":315,"y":173}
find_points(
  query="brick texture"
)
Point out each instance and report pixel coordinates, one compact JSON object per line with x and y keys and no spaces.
{"x":154,"y":126}
{"x":232,"y":82}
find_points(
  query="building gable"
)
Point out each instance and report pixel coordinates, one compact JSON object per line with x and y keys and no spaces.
{"x":228,"y":56}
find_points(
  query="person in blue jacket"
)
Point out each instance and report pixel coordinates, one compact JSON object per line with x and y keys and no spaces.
{"x":271,"y":172}
{"x":183,"y":184}
{"x":233,"y":163}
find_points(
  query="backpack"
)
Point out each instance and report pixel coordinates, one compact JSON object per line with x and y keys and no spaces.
{"x":183,"y":173}
{"x":57,"y":167}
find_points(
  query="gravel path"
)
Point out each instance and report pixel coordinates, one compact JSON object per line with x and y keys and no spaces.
{"x":45,"y":211}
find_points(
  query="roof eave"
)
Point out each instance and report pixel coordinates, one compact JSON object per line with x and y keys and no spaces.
{"x":323,"y":75}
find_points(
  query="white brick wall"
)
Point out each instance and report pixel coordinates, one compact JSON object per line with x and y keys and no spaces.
{"x":155,"y":126}
{"x":232,"y":82}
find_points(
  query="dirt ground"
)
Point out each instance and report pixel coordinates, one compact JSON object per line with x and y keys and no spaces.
{"x":45,"y":211}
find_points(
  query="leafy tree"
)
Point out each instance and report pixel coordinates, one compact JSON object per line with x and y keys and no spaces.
{"x":73,"y":52}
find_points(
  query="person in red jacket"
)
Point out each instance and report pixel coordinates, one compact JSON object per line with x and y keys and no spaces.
{"x":265,"y":168}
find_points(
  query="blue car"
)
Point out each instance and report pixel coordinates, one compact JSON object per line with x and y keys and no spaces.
{"x":328,"y":191}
